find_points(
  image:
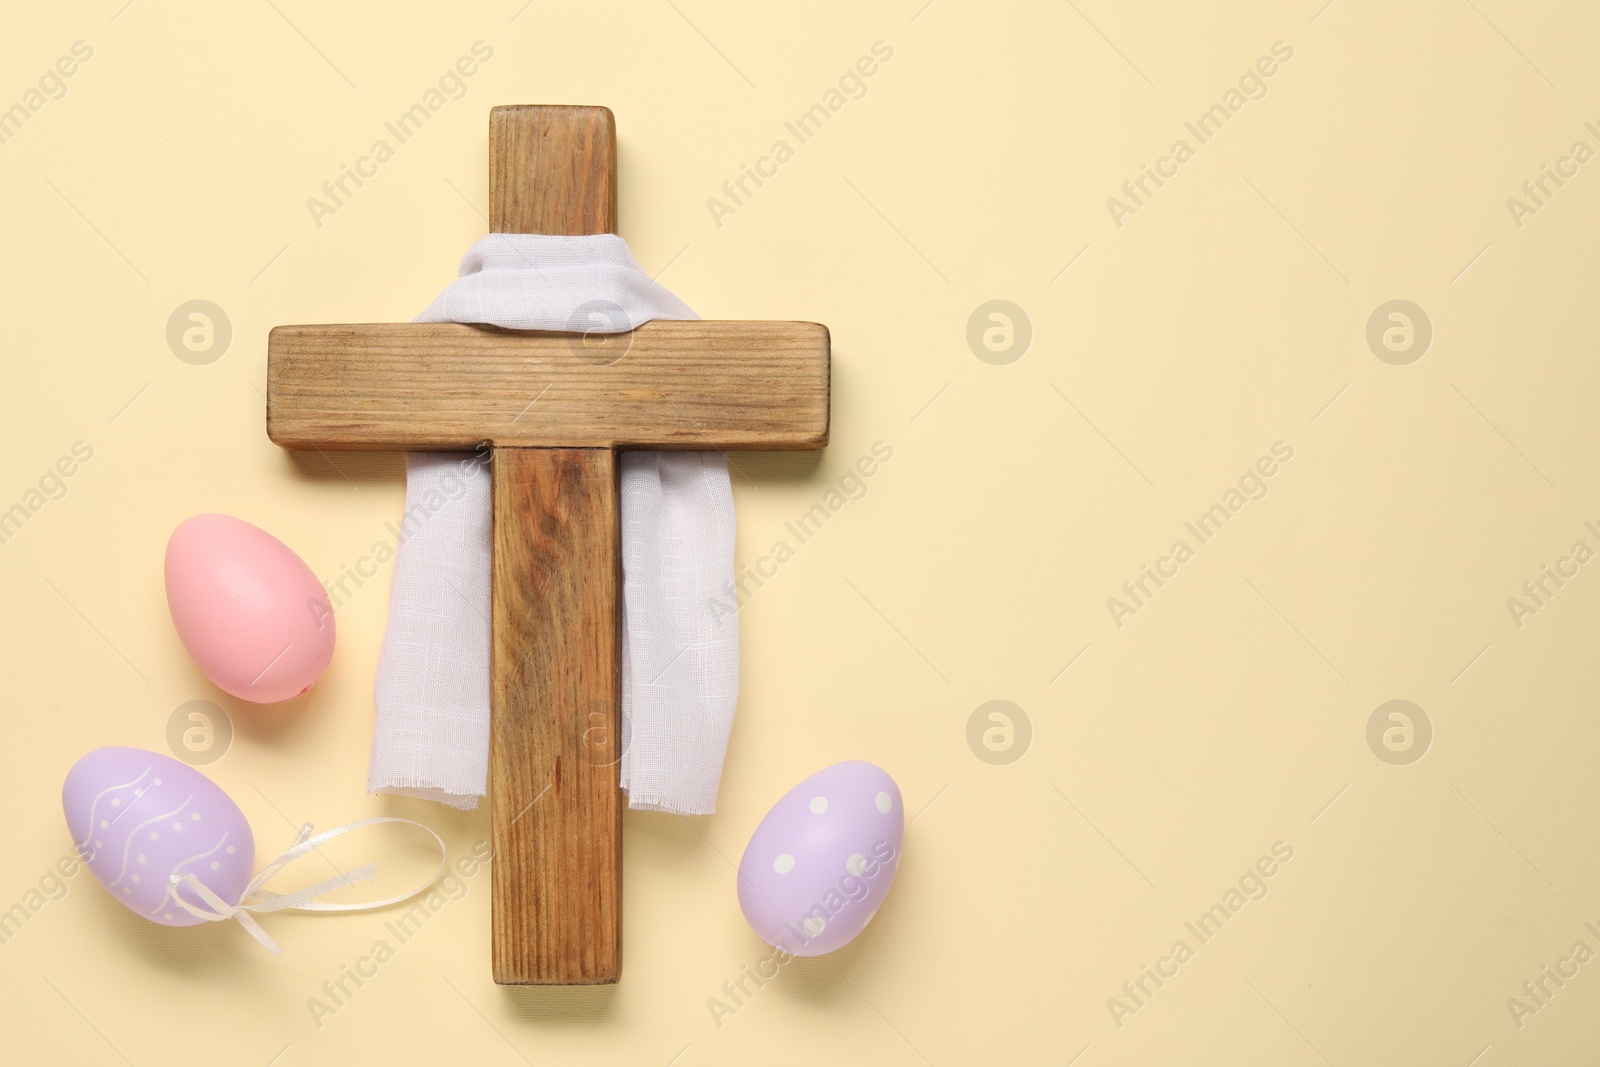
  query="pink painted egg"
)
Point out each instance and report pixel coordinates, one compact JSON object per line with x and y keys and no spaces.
{"x":138,"y":817}
{"x":819,"y":866}
{"x":249,"y":610}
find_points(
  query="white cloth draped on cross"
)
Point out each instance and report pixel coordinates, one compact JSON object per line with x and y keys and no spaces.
{"x":680,"y":662}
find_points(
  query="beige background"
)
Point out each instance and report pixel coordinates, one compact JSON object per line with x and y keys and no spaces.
{"x":1168,"y":354}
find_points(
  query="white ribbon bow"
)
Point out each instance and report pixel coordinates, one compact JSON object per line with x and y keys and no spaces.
{"x":257,"y":898}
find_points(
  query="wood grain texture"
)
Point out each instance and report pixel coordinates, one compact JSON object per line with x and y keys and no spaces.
{"x":555,"y":735}
{"x":554,"y":669}
{"x":555,"y":406}
{"x":555,"y":682}
{"x":446,"y":386}
{"x":552,"y":169}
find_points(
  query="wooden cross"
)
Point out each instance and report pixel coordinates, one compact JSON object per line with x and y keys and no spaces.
{"x":555,"y":666}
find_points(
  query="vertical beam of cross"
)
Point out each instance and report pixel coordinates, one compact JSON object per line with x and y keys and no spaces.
{"x":556,"y":687}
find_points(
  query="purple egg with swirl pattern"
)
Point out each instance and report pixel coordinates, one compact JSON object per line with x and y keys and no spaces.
{"x":137,"y":818}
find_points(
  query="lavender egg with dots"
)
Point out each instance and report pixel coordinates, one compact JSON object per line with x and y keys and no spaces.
{"x":819,"y":866}
{"x":137,"y":818}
